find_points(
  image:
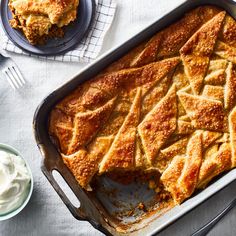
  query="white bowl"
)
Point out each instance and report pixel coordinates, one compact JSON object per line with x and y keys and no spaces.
{"x":13,"y":213}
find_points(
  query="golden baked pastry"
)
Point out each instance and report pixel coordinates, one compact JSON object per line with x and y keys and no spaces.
{"x":42,"y":19}
{"x":167,"y":106}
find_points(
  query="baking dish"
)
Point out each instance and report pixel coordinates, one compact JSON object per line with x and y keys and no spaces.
{"x":98,"y":207}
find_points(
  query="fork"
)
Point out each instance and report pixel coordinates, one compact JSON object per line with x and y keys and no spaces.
{"x":11,"y":71}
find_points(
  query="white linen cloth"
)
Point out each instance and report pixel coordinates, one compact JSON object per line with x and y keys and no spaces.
{"x":46,"y":215}
{"x":90,"y":46}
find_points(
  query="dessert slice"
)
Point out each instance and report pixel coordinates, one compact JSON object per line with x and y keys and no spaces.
{"x":42,"y":19}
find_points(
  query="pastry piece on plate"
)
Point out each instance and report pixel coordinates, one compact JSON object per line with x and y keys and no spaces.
{"x":42,"y":19}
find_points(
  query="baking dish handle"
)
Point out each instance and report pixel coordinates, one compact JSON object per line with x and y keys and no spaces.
{"x":76,"y":212}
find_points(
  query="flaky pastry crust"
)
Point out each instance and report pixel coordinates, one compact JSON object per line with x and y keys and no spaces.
{"x":42,"y":19}
{"x":166,"y":106}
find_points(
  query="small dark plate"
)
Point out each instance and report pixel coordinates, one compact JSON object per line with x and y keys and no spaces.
{"x":74,"y":32}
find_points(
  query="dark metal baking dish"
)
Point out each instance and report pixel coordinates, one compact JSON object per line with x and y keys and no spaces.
{"x":98,"y":208}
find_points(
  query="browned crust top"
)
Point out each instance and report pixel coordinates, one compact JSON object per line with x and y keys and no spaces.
{"x":167,"y":106}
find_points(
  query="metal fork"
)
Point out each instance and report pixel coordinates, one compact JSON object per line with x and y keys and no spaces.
{"x":11,"y":71}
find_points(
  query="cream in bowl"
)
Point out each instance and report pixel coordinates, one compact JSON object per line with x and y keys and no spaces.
{"x":15,"y":182}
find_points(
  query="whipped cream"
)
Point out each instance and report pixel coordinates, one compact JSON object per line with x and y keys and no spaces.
{"x":14,"y":182}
